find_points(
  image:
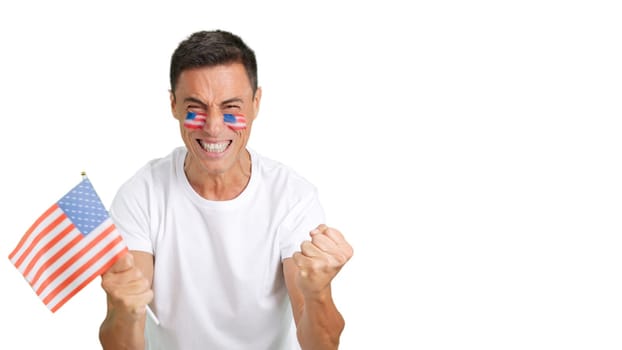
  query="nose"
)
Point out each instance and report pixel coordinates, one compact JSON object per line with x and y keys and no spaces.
{"x":214,"y":123}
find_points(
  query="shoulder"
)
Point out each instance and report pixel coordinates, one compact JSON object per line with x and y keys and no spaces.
{"x":280,"y":175}
{"x":154,"y":173}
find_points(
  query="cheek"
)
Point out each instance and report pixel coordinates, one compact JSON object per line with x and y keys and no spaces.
{"x":235,"y":122}
{"x":194,"y":121}
{"x":243,"y":135}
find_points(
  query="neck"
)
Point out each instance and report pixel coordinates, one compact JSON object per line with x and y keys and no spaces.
{"x":220,"y":186}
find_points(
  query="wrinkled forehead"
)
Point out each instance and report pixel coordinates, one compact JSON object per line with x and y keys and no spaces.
{"x":214,"y":82}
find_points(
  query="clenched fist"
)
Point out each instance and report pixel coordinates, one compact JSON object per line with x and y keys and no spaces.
{"x":320,"y":259}
{"x":127,"y":289}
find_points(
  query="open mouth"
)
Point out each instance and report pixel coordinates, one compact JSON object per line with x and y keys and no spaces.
{"x":214,"y":147}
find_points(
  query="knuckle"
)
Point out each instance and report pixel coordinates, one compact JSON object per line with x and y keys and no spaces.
{"x":297,"y":258}
{"x":105,"y":284}
{"x":116,"y":296}
{"x":125,"y":303}
{"x":342,"y":259}
{"x":136,"y":273}
{"x":350,"y":250}
{"x":109,"y":289}
{"x":144,"y":283}
{"x":317,"y":265}
{"x":305,"y":246}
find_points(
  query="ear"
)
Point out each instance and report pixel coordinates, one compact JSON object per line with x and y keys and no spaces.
{"x":257,"y":100}
{"x":173,"y":102}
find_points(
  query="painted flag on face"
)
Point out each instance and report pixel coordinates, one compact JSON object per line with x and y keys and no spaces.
{"x":195,"y":120}
{"x":69,"y":245}
{"x":235,"y":121}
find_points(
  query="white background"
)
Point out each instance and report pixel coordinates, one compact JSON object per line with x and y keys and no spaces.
{"x":469,"y":150}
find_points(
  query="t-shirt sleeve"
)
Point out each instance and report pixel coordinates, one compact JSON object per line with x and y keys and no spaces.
{"x":304,"y":216}
{"x":129,"y":213}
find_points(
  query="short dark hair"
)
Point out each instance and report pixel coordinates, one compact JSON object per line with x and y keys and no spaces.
{"x":212,"y":48}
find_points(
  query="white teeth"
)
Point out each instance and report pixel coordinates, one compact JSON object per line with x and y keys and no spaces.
{"x":214,"y":147}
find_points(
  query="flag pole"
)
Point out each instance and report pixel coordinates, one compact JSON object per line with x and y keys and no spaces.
{"x":152,"y":316}
{"x":149,"y":311}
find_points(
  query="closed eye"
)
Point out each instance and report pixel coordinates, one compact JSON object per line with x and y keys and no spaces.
{"x":232,"y":104}
{"x":195,"y":109}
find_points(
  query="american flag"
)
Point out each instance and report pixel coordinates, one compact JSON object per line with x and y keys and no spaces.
{"x":73,"y":242}
{"x":235,"y":121}
{"x":195,"y":120}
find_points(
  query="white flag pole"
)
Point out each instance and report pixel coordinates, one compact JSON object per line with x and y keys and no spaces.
{"x":152,"y":316}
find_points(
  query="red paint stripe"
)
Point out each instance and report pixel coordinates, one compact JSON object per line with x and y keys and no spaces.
{"x":195,"y":120}
{"x":240,"y":122}
{"x":73,"y":259}
{"x":192,"y":126}
{"x":32,"y":228}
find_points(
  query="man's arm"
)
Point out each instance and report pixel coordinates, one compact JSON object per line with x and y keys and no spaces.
{"x":128,"y":291}
{"x":308,"y":275}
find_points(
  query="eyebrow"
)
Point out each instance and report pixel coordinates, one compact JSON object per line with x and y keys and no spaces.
{"x":203,"y":104}
{"x":231,"y":100}
{"x":195,"y":100}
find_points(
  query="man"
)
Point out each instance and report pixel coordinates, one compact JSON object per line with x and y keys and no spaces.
{"x":227,"y":247}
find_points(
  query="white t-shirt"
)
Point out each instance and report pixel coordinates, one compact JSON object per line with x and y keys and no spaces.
{"x":218,"y":279}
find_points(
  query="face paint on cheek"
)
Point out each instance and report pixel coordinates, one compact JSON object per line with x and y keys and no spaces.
{"x":194,"y":120}
{"x":235,"y":121}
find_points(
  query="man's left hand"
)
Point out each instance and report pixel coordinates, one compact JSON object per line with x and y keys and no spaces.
{"x":320,"y":259}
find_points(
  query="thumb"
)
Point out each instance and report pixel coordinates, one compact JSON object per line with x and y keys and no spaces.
{"x":124,"y":263}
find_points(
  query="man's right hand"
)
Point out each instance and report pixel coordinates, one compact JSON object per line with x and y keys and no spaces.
{"x":128,"y":290}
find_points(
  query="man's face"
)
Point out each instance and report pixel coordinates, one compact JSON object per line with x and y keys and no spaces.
{"x":215,"y":91}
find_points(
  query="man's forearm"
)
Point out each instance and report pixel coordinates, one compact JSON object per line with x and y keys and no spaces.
{"x":320,"y":324}
{"x":118,"y":333}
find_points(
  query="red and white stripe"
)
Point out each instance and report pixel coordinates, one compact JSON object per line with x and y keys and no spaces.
{"x":58,"y":261}
{"x":195,"y":123}
{"x":240,"y":122}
